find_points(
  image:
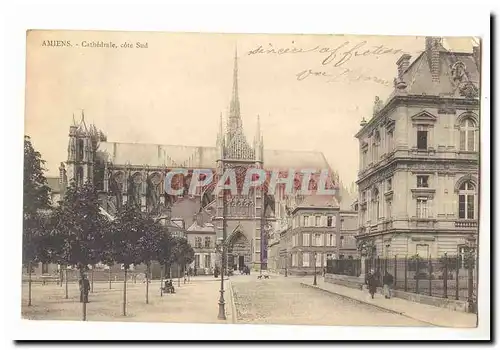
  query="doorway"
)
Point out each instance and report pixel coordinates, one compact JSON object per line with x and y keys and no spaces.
{"x":241,"y":262}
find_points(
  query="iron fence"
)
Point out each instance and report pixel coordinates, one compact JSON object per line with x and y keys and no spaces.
{"x":448,"y":277}
{"x":347,"y":267}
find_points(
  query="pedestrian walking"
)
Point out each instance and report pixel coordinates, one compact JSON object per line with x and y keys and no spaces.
{"x":84,"y":285}
{"x":371,"y":280}
{"x":388,"y":280}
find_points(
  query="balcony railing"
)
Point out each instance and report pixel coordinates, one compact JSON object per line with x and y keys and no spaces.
{"x":466,"y":223}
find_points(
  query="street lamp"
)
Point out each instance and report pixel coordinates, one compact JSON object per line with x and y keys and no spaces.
{"x":222,"y":245}
{"x":315,"y":263}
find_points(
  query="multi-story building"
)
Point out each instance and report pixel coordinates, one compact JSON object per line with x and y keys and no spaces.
{"x":419,"y":157}
{"x":313,"y":235}
{"x":201,"y":236}
{"x":348,"y":231}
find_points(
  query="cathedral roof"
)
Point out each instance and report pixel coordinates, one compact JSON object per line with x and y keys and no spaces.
{"x":201,"y":228}
{"x":140,"y":154}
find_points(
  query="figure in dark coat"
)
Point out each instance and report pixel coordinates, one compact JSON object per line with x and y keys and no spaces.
{"x":84,"y":285}
{"x":371,"y":280}
{"x":388,"y":280}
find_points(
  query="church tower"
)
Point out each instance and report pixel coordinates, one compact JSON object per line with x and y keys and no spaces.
{"x":80,"y":160}
{"x":242,"y":212}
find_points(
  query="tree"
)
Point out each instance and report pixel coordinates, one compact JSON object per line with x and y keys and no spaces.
{"x":35,"y":189}
{"x":182,"y":253}
{"x":80,"y":227}
{"x":164,"y":253}
{"x":149,"y":244}
{"x":127,"y":231}
{"x":35,"y":199}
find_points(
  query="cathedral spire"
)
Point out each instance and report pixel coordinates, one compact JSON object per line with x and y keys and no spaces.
{"x":234,"y":110}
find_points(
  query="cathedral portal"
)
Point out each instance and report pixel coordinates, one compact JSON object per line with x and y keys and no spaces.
{"x":239,"y":252}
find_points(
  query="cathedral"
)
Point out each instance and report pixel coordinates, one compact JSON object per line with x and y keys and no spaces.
{"x":132,"y":174}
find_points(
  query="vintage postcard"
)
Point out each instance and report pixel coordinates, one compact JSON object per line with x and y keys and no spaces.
{"x":328,"y":180}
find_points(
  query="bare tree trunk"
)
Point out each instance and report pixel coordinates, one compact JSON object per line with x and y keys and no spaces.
{"x":125,"y":292}
{"x":60,"y":276}
{"x":178,"y":275}
{"x":161,"y":279}
{"x":110,"y":277}
{"x":82,"y":296}
{"x":66,"y":280}
{"x":29,"y":283}
{"x":92,"y":279}
{"x":147,"y":283}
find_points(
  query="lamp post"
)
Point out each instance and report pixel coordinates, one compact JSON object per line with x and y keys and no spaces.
{"x":222,"y":245}
{"x":315,"y":263}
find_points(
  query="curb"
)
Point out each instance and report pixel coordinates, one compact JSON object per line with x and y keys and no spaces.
{"x":372,"y":305}
{"x":234,"y":319}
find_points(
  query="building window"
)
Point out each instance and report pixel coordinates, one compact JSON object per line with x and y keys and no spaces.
{"x":389,"y":209}
{"x":423,"y":251}
{"x":318,"y":220}
{"x":318,"y":239}
{"x":45,"y":268}
{"x":468,"y":135}
{"x":208,"y":262}
{"x":197,"y":242}
{"x":331,"y":241}
{"x":461,"y":255}
{"x":329,"y":221}
{"x":466,"y":200}
{"x":294,"y":259}
{"x":197,"y":261}
{"x":376,"y":143}
{"x":305,"y":240}
{"x":423,"y":181}
{"x":363,"y":159}
{"x":305,"y":259}
{"x":319,"y":256}
{"x":422,"y":139}
{"x":306,"y":220}
{"x":207,"y":242}
{"x":422,"y":208}
{"x":389,"y":184}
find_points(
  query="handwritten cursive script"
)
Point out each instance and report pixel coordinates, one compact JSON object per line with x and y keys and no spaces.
{"x":336,"y":56}
{"x":344,"y":74}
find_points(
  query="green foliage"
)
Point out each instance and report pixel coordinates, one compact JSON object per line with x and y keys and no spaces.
{"x":79,"y":227}
{"x":36,"y":202}
{"x":182,"y":252}
{"x":35,"y":188}
{"x":449,"y":261}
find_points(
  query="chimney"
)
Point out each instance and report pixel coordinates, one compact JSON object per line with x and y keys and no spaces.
{"x":363,"y":122}
{"x":403,"y":64}
{"x":432,"y":48}
{"x":476,"y":52}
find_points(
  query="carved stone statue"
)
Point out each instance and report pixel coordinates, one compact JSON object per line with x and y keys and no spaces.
{"x":153,"y":193}
{"x":134,"y":191}
{"x":115,"y":191}
{"x":377,"y":105}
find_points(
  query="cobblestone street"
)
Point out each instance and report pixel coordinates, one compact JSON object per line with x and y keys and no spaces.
{"x":281,"y":300}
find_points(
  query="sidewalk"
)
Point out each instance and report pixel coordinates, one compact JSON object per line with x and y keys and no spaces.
{"x":426,"y":313}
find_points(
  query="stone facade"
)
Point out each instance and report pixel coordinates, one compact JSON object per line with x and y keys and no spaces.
{"x":419,"y":158}
{"x":312,"y":237}
{"x":133,"y":174}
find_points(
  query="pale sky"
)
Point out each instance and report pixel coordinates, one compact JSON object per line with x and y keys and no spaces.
{"x":174,"y":91}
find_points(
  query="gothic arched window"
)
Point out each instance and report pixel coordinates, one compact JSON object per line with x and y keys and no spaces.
{"x":80,"y":150}
{"x":468,"y":134}
{"x":466,"y":200}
